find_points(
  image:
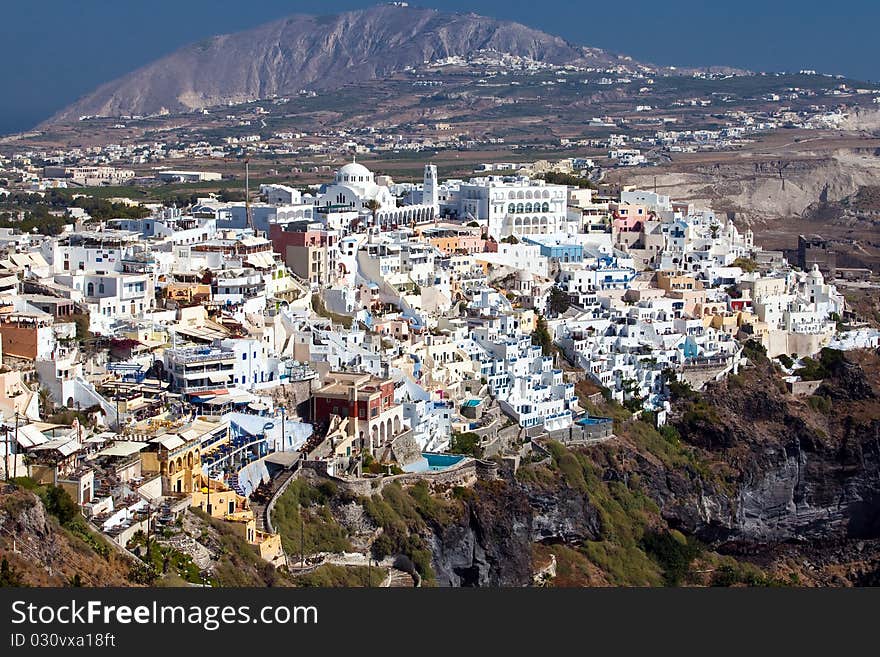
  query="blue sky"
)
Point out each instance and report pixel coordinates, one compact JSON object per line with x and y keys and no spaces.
{"x":53,"y":51}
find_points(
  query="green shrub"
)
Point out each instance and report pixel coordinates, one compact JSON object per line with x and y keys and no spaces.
{"x":303,"y":519}
{"x":465,"y":443}
{"x":673,"y":552}
{"x":331,"y":575}
{"x":60,"y":504}
{"x":820,"y":403}
{"x":9,"y":576}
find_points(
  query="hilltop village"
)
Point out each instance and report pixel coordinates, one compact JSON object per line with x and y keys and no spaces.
{"x":369,"y":330}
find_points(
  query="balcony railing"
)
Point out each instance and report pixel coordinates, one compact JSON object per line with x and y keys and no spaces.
{"x":201,"y":358}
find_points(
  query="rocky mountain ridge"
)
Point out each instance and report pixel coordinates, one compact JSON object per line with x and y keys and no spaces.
{"x":318,"y":52}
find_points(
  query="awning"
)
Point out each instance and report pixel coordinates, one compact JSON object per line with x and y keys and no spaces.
{"x":123,"y":448}
{"x":64,"y":446}
{"x":261,"y":260}
{"x":30,"y":436}
{"x":241,"y":397}
{"x":218,"y":377}
{"x":169,"y":441}
{"x":258,"y":407}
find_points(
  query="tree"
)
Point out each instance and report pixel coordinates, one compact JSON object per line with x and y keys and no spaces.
{"x":558,"y":302}
{"x":373,"y":206}
{"x":746,"y":264}
{"x":45,"y":400}
{"x":228,"y":196}
{"x":9,"y":576}
{"x":541,"y":336}
{"x":560,"y":178}
{"x":465,"y":443}
{"x":60,"y":504}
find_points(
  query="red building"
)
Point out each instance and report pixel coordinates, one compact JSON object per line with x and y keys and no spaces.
{"x":367,"y":400}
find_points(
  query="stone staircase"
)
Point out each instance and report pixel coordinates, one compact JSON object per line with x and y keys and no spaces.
{"x":263,"y":509}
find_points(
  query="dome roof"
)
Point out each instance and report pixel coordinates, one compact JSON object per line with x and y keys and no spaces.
{"x":525,"y":276}
{"x":354,"y":171}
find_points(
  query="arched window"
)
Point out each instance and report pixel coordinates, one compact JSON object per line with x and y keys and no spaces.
{"x":546,"y":194}
{"x":528,"y":207}
{"x":511,"y":209}
{"x":90,"y":289}
{"x":100,"y":288}
{"x":545,"y":207}
{"x":519,"y":207}
{"x":528,"y":193}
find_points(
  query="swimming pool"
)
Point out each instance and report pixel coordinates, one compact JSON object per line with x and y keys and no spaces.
{"x":433,"y":462}
{"x":593,"y":420}
{"x":441,"y":461}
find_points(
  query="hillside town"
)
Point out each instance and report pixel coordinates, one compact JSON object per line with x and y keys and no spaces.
{"x":205,"y":356}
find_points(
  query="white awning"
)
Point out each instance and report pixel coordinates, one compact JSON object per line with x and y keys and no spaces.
{"x":30,"y":436}
{"x":169,"y":441}
{"x":261,"y":260}
{"x":123,"y":448}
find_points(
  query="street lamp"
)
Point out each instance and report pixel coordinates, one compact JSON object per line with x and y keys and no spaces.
{"x":283,"y":435}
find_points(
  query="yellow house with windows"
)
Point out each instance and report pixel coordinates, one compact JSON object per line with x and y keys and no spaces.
{"x":232,"y":508}
{"x":177,"y":456}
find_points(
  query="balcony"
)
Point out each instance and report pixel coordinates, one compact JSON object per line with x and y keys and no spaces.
{"x":201,"y":356}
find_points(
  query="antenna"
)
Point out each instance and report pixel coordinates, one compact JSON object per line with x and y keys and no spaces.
{"x":247,"y":194}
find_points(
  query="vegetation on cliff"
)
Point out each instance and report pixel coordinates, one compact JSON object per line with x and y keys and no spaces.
{"x":303,"y":517}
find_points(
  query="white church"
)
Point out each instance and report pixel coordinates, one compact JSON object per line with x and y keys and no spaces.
{"x":354,"y":186}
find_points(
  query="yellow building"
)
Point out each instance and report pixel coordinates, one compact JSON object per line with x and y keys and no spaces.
{"x":234,"y":509}
{"x":177,"y":456}
{"x":676,"y":281}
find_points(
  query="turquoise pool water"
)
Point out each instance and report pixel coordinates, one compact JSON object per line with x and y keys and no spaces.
{"x":431,"y":462}
{"x":441,"y":461}
{"x":593,"y":420}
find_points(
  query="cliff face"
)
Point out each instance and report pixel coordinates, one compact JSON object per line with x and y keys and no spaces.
{"x":490,"y":545}
{"x":802,"y":469}
{"x":767,"y":188}
{"x":41,"y":553}
{"x":750,"y":471}
{"x":316,"y":52}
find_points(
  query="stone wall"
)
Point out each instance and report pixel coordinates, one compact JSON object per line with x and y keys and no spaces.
{"x":581,"y":434}
{"x":464,"y":474}
{"x":803,"y":388}
{"x":699,"y":376}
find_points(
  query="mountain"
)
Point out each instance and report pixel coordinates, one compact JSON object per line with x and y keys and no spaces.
{"x":318,"y":52}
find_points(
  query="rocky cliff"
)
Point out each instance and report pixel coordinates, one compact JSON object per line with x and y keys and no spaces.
{"x":763,"y":188}
{"x":40,"y":552}
{"x":490,"y":544}
{"x":757,"y":485}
